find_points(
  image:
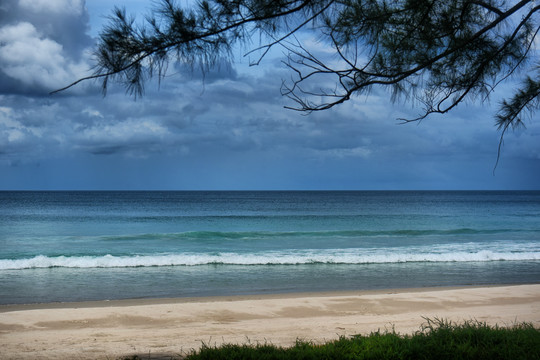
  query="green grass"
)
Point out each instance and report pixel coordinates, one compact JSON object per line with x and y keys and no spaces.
{"x":438,"y":339}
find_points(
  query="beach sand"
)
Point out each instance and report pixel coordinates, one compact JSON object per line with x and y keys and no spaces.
{"x":111,"y":329}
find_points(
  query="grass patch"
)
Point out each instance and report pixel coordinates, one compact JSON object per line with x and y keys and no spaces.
{"x":437,"y":339}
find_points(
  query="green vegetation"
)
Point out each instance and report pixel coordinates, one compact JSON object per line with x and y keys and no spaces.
{"x":438,"y":339}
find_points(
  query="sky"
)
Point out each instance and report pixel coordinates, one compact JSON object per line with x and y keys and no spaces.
{"x":227,"y":131}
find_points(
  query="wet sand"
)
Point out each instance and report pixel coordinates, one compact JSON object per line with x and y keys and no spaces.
{"x":111,"y":329}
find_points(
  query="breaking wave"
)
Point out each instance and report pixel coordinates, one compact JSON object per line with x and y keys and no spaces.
{"x":291,"y":257}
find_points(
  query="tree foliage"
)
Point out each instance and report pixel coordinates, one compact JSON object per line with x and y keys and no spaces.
{"x":437,"y":52}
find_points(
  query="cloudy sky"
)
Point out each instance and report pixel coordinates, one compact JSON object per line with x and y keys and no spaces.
{"x":230,"y":131}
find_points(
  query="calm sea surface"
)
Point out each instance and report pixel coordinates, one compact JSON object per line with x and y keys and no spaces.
{"x":71,"y":246}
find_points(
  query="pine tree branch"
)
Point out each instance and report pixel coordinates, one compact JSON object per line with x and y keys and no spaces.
{"x":167,"y":45}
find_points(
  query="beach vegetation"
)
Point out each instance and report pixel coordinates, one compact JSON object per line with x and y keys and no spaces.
{"x":437,"y":339}
{"x":436,"y":53}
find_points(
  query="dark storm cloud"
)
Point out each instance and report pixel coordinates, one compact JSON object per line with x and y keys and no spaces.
{"x":42,"y":45}
{"x":222,"y":69}
{"x":64,"y":21}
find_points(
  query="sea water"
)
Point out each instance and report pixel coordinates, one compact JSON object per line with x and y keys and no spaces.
{"x":73,"y":246}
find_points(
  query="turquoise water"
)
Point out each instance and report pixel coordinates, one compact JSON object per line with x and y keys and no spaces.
{"x":70,"y":246}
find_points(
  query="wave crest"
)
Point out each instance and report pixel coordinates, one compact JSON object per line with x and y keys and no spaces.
{"x":268,"y":258}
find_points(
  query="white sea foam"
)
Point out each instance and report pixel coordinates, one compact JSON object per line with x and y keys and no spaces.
{"x":293,"y":257}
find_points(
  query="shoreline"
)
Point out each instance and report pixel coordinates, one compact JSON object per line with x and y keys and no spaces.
{"x":240,"y":297}
{"x":111,"y":329}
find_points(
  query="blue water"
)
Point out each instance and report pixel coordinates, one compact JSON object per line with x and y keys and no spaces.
{"x":72,"y":246}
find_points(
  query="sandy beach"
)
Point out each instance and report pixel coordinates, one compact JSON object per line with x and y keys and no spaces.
{"x":110,"y":329}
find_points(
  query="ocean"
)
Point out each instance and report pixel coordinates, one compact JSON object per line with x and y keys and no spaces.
{"x":87,"y":245}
